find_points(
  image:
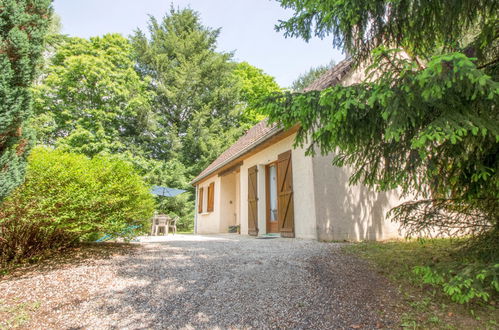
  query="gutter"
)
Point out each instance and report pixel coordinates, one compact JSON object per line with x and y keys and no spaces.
{"x":270,"y":134}
{"x":196,"y":212}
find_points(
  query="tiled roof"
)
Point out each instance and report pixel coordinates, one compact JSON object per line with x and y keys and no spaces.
{"x":248,"y":140}
{"x":259,"y":133}
{"x":331,"y":77}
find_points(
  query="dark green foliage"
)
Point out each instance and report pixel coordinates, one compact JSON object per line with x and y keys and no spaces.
{"x":304,"y":80}
{"x":424,"y":120}
{"x":465,"y":283}
{"x":420,"y":27}
{"x":23,"y":24}
{"x":197,"y":94}
{"x":416,"y":266}
{"x":69,"y":198}
{"x":431,"y":132}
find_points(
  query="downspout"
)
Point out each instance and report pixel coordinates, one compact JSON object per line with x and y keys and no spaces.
{"x":196,"y":211}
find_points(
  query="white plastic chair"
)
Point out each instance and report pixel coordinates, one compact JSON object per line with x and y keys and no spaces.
{"x":159,"y":221}
{"x":173,"y":225}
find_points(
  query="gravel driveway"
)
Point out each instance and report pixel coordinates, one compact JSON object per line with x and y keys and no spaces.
{"x":210,"y":282}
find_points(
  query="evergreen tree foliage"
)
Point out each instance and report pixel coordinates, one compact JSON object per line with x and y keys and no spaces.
{"x":419,"y":27}
{"x":307,"y":78}
{"x":197,"y":94}
{"x":425,"y":119}
{"x":23,"y":24}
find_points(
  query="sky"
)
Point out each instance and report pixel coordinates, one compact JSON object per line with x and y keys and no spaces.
{"x":247,"y":29}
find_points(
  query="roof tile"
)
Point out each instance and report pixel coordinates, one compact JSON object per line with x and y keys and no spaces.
{"x":331,"y":77}
{"x":252,"y":135}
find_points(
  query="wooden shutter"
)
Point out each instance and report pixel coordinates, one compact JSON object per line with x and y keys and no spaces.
{"x":200,"y":200}
{"x":285,"y":206}
{"x":252,"y":201}
{"x":211,"y":197}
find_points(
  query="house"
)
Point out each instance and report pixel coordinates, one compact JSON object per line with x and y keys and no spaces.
{"x":264,"y":185}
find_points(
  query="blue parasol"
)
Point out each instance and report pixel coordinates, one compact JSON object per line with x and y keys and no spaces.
{"x":165,"y":191}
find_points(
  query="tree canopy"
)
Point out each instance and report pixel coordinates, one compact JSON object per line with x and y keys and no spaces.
{"x":23,"y":25}
{"x":197,"y":95}
{"x":419,"y":27}
{"x":92,"y":100}
{"x":255,"y":86}
{"x":426,"y":118}
{"x":165,"y":100}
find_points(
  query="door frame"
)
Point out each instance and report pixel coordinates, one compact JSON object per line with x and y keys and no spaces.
{"x":267,"y":198}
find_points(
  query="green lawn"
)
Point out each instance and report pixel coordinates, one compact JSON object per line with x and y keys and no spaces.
{"x":425,"y":306}
{"x":185,"y":231}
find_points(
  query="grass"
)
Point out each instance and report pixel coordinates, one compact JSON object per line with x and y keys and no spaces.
{"x":424,"y":306}
{"x":17,"y":315}
{"x":185,"y":231}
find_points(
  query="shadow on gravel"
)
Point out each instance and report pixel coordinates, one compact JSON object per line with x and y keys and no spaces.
{"x":242,"y":283}
{"x":70,"y":257}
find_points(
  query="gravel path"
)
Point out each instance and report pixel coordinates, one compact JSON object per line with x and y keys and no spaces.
{"x":209,"y":282}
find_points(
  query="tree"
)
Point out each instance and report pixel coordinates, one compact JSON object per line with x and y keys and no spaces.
{"x":92,"y":100}
{"x":307,"y":78}
{"x":23,"y":24}
{"x":427,"y":124}
{"x":195,"y":87}
{"x":420,"y":27}
{"x":255,"y":87}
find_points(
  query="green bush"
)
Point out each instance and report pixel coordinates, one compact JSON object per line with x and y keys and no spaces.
{"x":68,"y":198}
{"x":470,"y":282}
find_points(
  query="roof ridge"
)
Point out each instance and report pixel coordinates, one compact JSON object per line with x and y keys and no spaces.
{"x":331,"y":77}
{"x":248,"y":139}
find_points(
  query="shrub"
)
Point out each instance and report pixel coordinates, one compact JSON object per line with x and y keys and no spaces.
{"x":471,"y":282}
{"x":471,"y":271}
{"x":68,"y":198}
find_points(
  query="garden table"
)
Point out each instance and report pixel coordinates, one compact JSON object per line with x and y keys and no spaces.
{"x":158,"y":221}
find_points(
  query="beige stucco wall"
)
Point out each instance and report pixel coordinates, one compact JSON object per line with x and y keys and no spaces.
{"x":228,"y":202}
{"x":238,"y":198}
{"x":209,"y":222}
{"x":347,"y":212}
{"x":305,"y":226}
{"x":326,"y":206}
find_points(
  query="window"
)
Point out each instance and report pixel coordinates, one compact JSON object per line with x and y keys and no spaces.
{"x":200,"y":200}
{"x":273,"y":192}
{"x":211,"y":196}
